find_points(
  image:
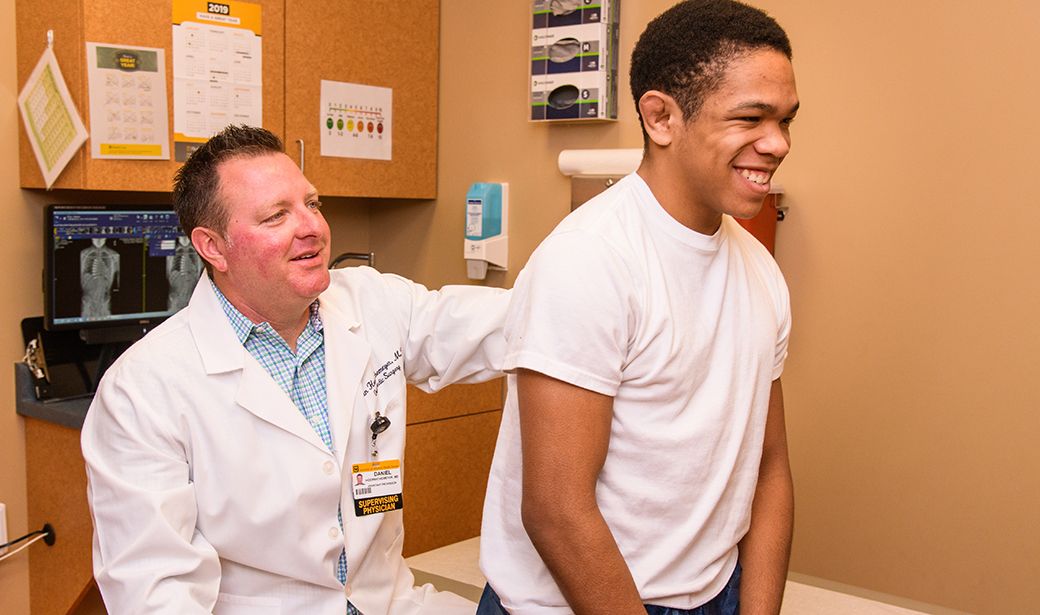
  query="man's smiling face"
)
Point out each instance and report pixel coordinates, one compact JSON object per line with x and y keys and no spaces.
{"x":729,"y":151}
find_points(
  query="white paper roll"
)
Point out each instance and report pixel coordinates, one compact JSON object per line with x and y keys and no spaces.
{"x":599,"y":161}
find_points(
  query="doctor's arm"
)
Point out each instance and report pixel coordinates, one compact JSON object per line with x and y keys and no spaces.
{"x":766,"y":549}
{"x":454,"y":334}
{"x":564,"y":426}
{"x":148,"y":556}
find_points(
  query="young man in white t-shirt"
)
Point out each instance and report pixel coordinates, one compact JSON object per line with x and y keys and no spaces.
{"x":642,"y":461}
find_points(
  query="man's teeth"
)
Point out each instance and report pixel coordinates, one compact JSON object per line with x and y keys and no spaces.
{"x":755,"y":176}
{"x":305,"y":256}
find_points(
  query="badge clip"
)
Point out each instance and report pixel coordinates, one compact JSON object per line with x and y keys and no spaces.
{"x":379,"y":425}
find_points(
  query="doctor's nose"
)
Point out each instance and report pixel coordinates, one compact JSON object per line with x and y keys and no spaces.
{"x":309,"y":221}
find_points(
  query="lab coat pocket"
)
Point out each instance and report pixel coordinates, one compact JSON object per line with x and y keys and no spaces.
{"x":230,"y":604}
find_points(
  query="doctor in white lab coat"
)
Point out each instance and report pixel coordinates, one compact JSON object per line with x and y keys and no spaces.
{"x":209,"y":490}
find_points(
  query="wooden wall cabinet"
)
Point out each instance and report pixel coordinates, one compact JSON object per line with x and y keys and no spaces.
{"x":386,"y":44}
{"x":145,"y":23}
{"x":60,"y":576}
{"x":375,"y":43}
{"x":448,"y":450}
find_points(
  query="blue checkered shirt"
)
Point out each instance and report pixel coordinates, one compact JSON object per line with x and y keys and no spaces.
{"x":300,"y":375}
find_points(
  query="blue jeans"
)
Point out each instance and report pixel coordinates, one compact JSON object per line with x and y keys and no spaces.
{"x":726,"y":603}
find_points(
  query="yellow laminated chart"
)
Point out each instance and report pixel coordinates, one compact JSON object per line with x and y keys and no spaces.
{"x":54,"y":127}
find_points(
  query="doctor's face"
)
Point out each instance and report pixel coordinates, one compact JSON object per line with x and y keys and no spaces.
{"x":276,"y":244}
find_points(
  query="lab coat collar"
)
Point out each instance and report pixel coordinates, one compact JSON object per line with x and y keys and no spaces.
{"x":219,"y":347}
{"x":347,"y":356}
{"x":221,"y":352}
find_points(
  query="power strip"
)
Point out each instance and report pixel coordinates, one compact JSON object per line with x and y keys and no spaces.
{"x":3,"y":527}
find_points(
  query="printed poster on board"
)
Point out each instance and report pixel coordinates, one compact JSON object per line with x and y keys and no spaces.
{"x":356,"y":120}
{"x":52,"y":123}
{"x":217,"y":64}
{"x":127,"y":93}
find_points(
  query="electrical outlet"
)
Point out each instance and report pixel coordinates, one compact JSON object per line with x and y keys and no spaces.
{"x":3,"y":527}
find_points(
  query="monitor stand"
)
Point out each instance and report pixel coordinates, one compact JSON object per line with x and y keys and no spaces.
{"x":113,"y":341}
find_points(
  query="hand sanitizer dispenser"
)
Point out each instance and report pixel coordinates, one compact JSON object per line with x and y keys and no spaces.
{"x":487,"y":222}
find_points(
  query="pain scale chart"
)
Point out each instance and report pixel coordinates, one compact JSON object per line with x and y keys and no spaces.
{"x":356,"y":121}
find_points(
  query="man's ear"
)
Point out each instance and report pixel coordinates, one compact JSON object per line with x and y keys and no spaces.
{"x":661,"y":116}
{"x":211,"y":247}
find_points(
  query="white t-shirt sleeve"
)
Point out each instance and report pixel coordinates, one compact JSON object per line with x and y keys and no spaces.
{"x":572,"y":312}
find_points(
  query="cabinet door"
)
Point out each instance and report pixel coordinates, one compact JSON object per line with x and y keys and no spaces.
{"x":146,"y":23}
{"x":385,"y":44}
{"x":61,"y":574}
{"x":446,"y":465}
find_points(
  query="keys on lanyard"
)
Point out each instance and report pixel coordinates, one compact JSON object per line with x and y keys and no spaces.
{"x":379,"y":425}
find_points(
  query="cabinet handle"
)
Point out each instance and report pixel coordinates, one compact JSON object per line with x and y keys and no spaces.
{"x":300,"y":142}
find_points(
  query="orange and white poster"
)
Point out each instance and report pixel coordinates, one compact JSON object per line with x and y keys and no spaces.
{"x":217,"y":70}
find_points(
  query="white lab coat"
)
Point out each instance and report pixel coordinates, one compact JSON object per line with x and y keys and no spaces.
{"x":209,"y":490}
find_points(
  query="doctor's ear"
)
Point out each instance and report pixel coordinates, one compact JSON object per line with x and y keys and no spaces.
{"x":661,"y":116}
{"x":211,"y":246}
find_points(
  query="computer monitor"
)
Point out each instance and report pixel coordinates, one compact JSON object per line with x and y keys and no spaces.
{"x":115,"y":267}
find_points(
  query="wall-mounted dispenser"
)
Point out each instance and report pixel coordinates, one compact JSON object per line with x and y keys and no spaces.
{"x":487,"y":229}
{"x":574,"y":59}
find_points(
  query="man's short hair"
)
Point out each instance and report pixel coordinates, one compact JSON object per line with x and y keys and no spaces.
{"x":685,"y":51}
{"x":196,"y":186}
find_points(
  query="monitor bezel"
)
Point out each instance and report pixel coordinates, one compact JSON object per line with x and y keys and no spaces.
{"x":133,"y":321}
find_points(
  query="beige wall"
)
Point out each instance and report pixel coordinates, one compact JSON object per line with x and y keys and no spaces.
{"x":21,"y":250}
{"x":910,"y":254}
{"x":910,"y":247}
{"x":912,"y":403}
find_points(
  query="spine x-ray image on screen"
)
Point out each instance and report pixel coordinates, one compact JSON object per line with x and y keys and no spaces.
{"x":183,"y":269}
{"x":114,"y":265}
{"x":98,"y":274}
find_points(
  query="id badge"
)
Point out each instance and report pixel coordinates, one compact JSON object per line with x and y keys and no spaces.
{"x":377,"y":487}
